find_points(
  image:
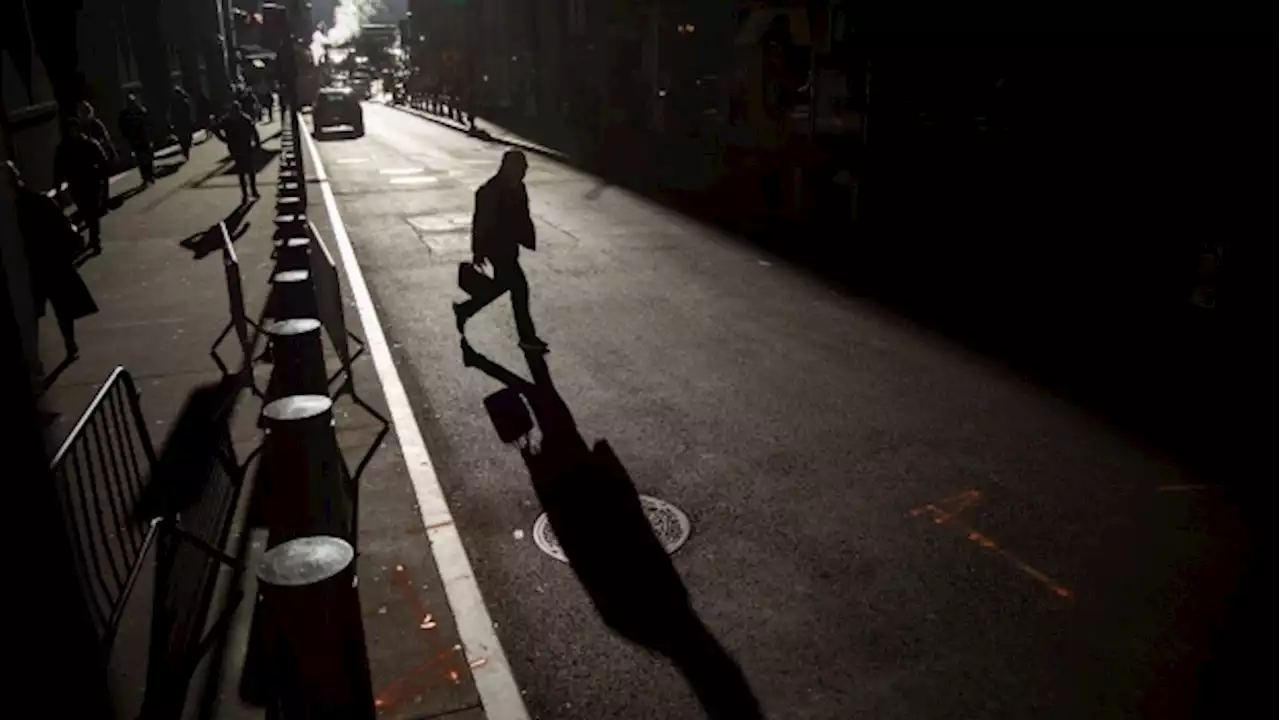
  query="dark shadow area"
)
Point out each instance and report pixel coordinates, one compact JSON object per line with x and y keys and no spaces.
{"x":595,"y":511}
{"x":1044,"y":208}
{"x":52,"y":376}
{"x":197,"y":480}
{"x":191,"y":452}
{"x":261,"y":158}
{"x":210,"y":240}
{"x":86,"y":256}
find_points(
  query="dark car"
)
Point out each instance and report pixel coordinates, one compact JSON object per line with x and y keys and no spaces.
{"x":337,"y":107}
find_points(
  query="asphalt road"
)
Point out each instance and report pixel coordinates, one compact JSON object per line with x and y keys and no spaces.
{"x":884,"y":525}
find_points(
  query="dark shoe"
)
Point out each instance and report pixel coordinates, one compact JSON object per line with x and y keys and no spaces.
{"x":73,"y":351}
{"x":534,"y":344}
{"x":255,"y":194}
{"x":458,"y":318}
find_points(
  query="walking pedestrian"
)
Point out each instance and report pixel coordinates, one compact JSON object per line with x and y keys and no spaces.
{"x":96,"y":130}
{"x":181,"y":118}
{"x":51,"y":246}
{"x":239,"y":132}
{"x":249,"y":103}
{"x":133,"y":127}
{"x":82,"y":164}
{"x":500,"y":227}
{"x":267,"y":101}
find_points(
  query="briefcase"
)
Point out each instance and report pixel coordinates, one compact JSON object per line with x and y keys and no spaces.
{"x":509,"y":414}
{"x":472,"y":280}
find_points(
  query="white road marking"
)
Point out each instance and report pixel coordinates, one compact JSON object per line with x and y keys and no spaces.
{"x":494,"y":682}
{"x":401,"y":171}
{"x":351,"y":161}
{"x":419,"y":180}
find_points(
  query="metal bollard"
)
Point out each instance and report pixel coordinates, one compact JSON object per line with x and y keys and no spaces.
{"x":292,"y":295}
{"x":306,"y":480}
{"x":311,"y":613}
{"x":291,"y":251}
{"x":298,"y":357}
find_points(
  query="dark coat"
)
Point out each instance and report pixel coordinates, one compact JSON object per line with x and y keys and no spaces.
{"x":180,"y":112}
{"x":83,"y":165}
{"x":97,"y":131}
{"x":51,"y":246}
{"x":501,"y":223}
{"x":240,"y":134}
{"x":133,"y":126}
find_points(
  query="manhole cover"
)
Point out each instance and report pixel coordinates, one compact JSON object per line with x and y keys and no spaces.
{"x":670,"y":525}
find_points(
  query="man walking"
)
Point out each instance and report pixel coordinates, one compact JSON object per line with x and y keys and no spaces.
{"x":82,"y":164}
{"x":133,"y":127}
{"x":51,"y":249}
{"x":500,"y":226}
{"x":240,"y":133}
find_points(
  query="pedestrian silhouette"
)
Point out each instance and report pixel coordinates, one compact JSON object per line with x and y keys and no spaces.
{"x":181,"y":119}
{"x":500,"y":226}
{"x":595,"y":511}
{"x":51,"y":246}
{"x":96,"y":130}
{"x":133,"y":127}
{"x":239,"y":132}
{"x":83,"y":165}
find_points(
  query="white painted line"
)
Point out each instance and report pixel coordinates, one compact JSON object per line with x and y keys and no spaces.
{"x":401,"y":171}
{"x":350,"y":161}
{"x":419,"y":180}
{"x":496,"y":685}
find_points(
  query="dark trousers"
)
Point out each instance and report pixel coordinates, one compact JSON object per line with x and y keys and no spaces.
{"x":146,"y":158}
{"x":508,"y":276}
{"x":89,"y":206}
{"x":244,"y":170}
{"x":184,"y":140}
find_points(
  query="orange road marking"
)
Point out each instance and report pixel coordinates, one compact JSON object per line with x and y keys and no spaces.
{"x":947,"y":512}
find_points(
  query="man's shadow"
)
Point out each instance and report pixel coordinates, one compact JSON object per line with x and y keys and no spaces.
{"x":210,"y":239}
{"x":595,"y":511}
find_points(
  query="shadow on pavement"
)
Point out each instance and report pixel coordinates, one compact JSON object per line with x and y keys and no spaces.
{"x":56,"y":372}
{"x":595,"y":512}
{"x":210,"y":240}
{"x":1065,"y":247}
{"x":262,"y":157}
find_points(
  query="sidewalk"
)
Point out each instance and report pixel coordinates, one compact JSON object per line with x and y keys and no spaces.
{"x":161,"y":290}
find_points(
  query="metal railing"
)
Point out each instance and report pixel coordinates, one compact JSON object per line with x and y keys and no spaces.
{"x":102,"y":469}
{"x":120,"y":502}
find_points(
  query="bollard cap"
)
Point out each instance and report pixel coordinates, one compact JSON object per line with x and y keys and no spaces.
{"x":293,"y":242}
{"x":290,"y":276}
{"x":297,"y":407}
{"x":305,"y":561}
{"x":291,"y":326}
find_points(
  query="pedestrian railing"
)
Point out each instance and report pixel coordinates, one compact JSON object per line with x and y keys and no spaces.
{"x":102,"y":469}
{"x":128,"y":514}
{"x":238,"y":321}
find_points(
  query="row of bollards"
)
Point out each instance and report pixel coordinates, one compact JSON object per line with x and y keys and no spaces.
{"x":313,"y":657}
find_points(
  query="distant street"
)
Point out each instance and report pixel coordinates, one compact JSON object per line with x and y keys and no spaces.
{"x":884,"y":525}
